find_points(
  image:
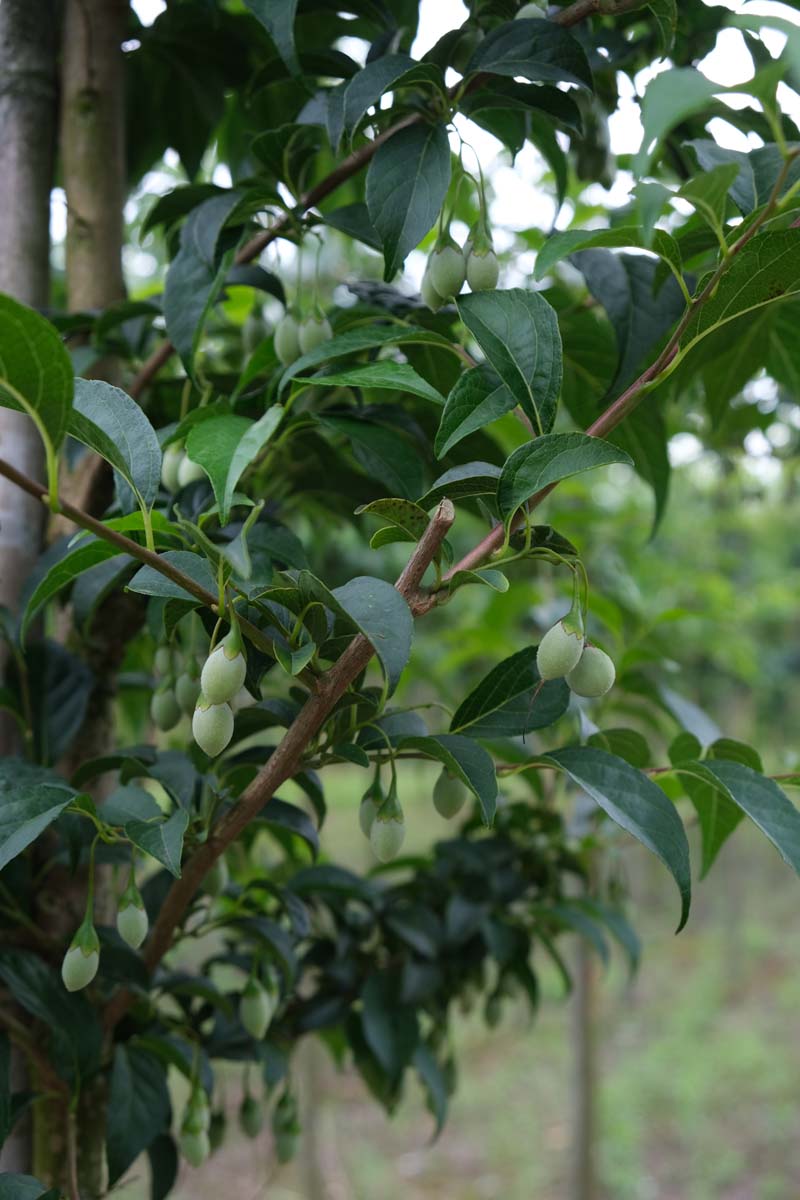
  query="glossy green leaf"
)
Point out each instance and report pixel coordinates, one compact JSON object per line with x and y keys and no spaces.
{"x":277,"y":17}
{"x":30,"y":800}
{"x":433,"y":1081}
{"x":407,"y":182}
{"x":478,"y":398}
{"x":381,"y":75}
{"x":138,"y":1107}
{"x":637,"y":804}
{"x":162,"y":840}
{"x":560,"y":245}
{"x":395,"y":377}
{"x":64,"y":572}
{"x":382,"y":452}
{"x":356,"y":341}
{"x":354,"y":221}
{"x":518,"y":333}
{"x":533,"y":49}
{"x":708,"y":192}
{"x":225,"y":446}
{"x":717,"y":815}
{"x":383,"y":616}
{"x":548,"y":459}
{"x":465,"y":759}
{"x":503,"y":704}
{"x":109,"y":422}
{"x":405,"y":517}
{"x":70,"y":1032}
{"x":151,"y":582}
{"x":762,"y":801}
{"x":35,"y":365}
{"x":470,"y":479}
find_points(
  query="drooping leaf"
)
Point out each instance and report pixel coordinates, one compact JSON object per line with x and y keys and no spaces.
{"x":518,"y":333}
{"x":546,"y":460}
{"x":163,"y":1156}
{"x":561,"y":245}
{"x":434,"y":1083}
{"x":151,"y":582}
{"x":109,"y":422}
{"x":64,"y":572}
{"x":30,"y":800}
{"x":666,"y":16}
{"x":138,"y":1107}
{"x":406,"y":185}
{"x":355,"y":341}
{"x":381,"y":75}
{"x":398,"y":377}
{"x":381,"y":452}
{"x":383,"y":616}
{"x":465,"y":759}
{"x":277,"y":17}
{"x":669,"y":99}
{"x":35,"y":366}
{"x":470,"y":479}
{"x":637,"y":804}
{"x":533,"y":49}
{"x":71,"y":1030}
{"x":478,"y":398}
{"x":225,"y":446}
{"x":503,"y":703}
{"x":162,"y":840}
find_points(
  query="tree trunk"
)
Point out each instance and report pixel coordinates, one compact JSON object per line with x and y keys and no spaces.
{"x":583,"y":1184}
{"x":28,"y":94}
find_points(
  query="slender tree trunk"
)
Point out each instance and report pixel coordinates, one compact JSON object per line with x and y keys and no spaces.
{"x":583,"y":1182}
{"x":28,"y":98}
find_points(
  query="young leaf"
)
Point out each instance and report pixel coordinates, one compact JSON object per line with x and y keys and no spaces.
{"x":162,"y":840}
{"x":407,"y":182}
{"x":465,"y":759}
{"x":478,"y":398}
{"x":109,"y":422}
{"x":534,"y":49}
{"x":225,"y":446}
{"x":635,"y":803}
{"x":36,"y":367}
{"x":503,"y":705}
{"x":546,"y":460}
{"x":518,"y":333}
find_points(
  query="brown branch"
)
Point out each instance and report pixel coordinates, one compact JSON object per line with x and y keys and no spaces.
{"x":581,"y":9}
{"x":283,"y":763}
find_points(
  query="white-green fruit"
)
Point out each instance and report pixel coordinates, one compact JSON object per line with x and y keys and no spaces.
{"x":386,"y":837}
{"x":165,"y":711}
{"x":170,"y":465}
{"x":216,"y":880}
{"x":132,"y":925}
{"x":483,"y":271}
{"x":163,"y":660}
{"x":197,"y":1117}
{"x":286,"y":341}
{"x":559,"y":651}
{"x":256,"y":1009}
{"x":429,"y":294}
{"x":212,"y":727}
{"x":531,"y":12}
{"x":251,"y":1117}
{"x":189,"y":472}
{"x":79,"y":968}
{"x":187,"y":692}
{"x":594,"y":675}
{"x":447,"y":270}
{"x":195,"y":1147}
{"x":449,"y":795}
{"x":223,"y":674}
{"x":313,"y":332}
{"x":367,"y":812}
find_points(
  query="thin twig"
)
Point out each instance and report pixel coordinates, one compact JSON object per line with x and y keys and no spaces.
{"x":72,"y":1154}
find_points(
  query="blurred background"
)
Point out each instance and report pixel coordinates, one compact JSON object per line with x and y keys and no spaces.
{"x":680,"y":1078}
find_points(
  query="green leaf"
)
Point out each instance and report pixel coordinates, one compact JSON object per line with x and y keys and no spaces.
{"x":560,"y":245}
{"x":109,"y":422}
{"x":395,"y":377}
{"x":625,"y":743}
{"x":536,"y":50}
{"x":151,"y":582}
{"x":277,"y":17}
{"x":138,"y":1107}
{"x":669,"y":99}
{"x":478,"y":398}
{"x":63,"y":573}
{"x":381,"y":452}
{"x":717,"y":814}
{"x":465,"y":759}
{"x":353,"y":220}
{"x":407,"y":183}
{"x":225,"y":446}
{"x":548,"y":459}
{"x":518,"y":333}
{"x":503,"y":704}
{"x":30,"y":800}
{"x":71,"y":1032}
{"x":25,"y":1187}
{"x":666,"y":15}
{"x":35,"y":364}
{"x":635,"y":803}
{"x":434,"y":1083}
{"x":162,"y":840}
{"x":356,"y":341}
{"x":383,"y":616}
{"x":643,"y":435}
{"x":164,"y":1164}
{"x":197,"y":274}
{"x":708,"y":193}
{"x":470,"y":479}
{"x":407,"y":521}
{"x":762,"y":801}
{"x":382,"y":75}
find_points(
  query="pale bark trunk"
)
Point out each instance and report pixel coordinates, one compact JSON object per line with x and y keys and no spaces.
{"x":583,"y":1181}
{"x":28,"y":92}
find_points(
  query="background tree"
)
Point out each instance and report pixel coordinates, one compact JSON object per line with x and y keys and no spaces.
{"x":257,"y":482}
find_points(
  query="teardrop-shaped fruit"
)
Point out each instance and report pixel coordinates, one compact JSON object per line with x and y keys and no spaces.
{"x":429,"y":294}
{"x":216,"y":879}
{"x":449,"y":795}
{"x":195,"y":1147}
{"x":530,"y":12}
{"x":313,"y":332}
{"x":256,"y":1009}
{"x":79,"y":968}
{"x":132,"y":924}
{"x":216,"y":1130}
{"x":447,"y":270}
{"x":559,"y":651}
{"x":187,"y":692}
{"x":223,"y":671}
{"x":285,"y":1145}
{"x":189,"y":472}
{"x":164,"y":709}
{"x":386,"y":837}
{"x":594,"y":675}
{"x":483,"y":271}
{"x":197,"y":1114}
{"x":162,"y":660}
{"x":212,"y":727}
{"x":286,"y":341}
{"x":367,"y":812}
{"x":251,"y":1116}
{"x":171,"y":460}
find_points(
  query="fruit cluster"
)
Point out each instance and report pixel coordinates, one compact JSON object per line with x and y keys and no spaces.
{"x":564,"y":653}
{"x":449,"y":266}
{"x":381,"y":816}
